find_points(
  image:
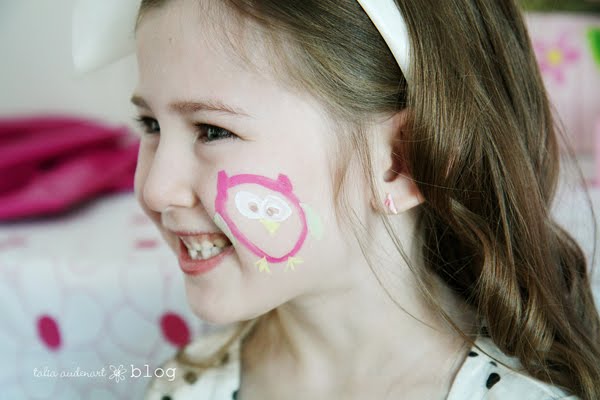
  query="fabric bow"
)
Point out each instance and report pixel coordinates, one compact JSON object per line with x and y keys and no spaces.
{"x":102,"y":32}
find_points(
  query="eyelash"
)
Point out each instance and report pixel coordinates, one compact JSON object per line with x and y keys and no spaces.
{"x":146,"y":123}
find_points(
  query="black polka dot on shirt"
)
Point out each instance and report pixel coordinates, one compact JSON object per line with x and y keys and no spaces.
{"x":225,"y":359}
{"x":166,"y":398}
{"x":492,"y":380}
{"x":234,"y":395}
{"x":190,"y":377}
{"x":493,"y":363}
{"x":472,"y":354}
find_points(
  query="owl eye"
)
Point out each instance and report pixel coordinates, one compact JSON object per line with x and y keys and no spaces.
{"x":248,"y":204}
{"x":276,"y":209}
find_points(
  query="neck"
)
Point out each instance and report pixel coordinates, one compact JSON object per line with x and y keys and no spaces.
{"x":352,"y":339}
{"x":360,"y":335}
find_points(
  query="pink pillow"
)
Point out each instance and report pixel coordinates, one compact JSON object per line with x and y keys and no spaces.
{"x":50,"y":164}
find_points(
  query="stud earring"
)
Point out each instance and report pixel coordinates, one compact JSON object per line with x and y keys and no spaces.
{"x":389,"y":203}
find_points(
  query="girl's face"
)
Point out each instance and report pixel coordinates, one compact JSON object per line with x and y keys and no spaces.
{"x":234,"y":169}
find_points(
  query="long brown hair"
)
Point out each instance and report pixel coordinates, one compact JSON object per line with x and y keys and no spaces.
{"x":483,"y":150}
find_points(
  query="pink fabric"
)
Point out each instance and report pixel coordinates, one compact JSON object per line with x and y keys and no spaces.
{"x":50,"y":164}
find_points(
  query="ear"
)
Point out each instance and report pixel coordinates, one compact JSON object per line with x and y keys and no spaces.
{"x":397,"y":190}
{"x":284,"y":182}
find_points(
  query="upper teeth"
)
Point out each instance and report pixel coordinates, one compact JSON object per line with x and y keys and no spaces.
{"x":204,"y":247}
{"x":205,"y":253}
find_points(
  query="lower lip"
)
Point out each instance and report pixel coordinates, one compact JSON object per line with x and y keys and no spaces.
{"x":197,"y":267}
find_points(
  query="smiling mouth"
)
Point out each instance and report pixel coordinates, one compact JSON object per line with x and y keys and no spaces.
{"x":205,"y":246}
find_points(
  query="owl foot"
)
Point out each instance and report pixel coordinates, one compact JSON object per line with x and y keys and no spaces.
{"x":291,"y":263}
{"x":263,"y":265}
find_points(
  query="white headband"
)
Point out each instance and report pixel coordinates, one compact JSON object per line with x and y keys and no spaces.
{"x":103,"y":31}
{"x":388,"y":20}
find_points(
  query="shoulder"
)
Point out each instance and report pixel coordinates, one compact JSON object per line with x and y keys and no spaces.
{"x":208,"y":368}
{"x":482,"y":377}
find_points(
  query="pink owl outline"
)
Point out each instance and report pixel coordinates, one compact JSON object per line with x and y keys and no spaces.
{"x":282,"y":186}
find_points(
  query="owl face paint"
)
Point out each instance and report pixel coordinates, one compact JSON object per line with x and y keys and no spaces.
{"x":270,"y":211}
{"x":244,"y":201}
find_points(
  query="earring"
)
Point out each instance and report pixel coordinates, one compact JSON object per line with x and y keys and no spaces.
{"x":389,"y":203}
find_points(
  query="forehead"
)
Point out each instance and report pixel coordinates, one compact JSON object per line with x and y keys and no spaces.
{"x":188,"y":46}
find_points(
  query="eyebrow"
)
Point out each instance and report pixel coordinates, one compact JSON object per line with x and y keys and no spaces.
{"x":189,"y":107}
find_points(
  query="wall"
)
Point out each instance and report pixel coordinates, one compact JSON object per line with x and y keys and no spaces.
{"x":37,"y":74}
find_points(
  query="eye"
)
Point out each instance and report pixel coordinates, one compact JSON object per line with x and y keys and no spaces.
{"x":148,"y":125}
{"x":206,"y":133}
{"x":210,"y":133}
{"x":248,"y":204}
{"x":276,"y":209}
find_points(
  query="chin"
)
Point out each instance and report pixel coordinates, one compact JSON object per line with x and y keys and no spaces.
{"x":218,"y":310}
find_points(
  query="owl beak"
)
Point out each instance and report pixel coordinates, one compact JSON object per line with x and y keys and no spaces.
{"x":270,"y":226}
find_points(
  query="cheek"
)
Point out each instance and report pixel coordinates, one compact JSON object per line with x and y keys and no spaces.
{"x":276,"y":238}
{"x":264,"y":216}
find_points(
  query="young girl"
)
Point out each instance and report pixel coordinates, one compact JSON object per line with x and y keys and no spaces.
{"x":360,"y":191}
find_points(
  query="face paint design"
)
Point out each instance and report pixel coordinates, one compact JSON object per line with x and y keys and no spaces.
{"x":267,"y":211}
{"x":270,"y":211}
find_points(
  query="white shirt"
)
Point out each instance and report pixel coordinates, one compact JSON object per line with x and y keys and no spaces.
{"x":480,"y":377}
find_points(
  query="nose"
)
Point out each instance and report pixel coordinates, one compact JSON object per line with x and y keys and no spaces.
{"x":169,"y":182}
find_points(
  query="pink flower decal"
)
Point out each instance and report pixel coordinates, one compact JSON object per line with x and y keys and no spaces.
{"x":555,"y":57}
{"x":144,"y":244}
{"x":13,"y":242}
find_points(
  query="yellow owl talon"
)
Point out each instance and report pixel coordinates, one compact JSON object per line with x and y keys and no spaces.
{"x":263,"y":265}
{"x":292,"y":261}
